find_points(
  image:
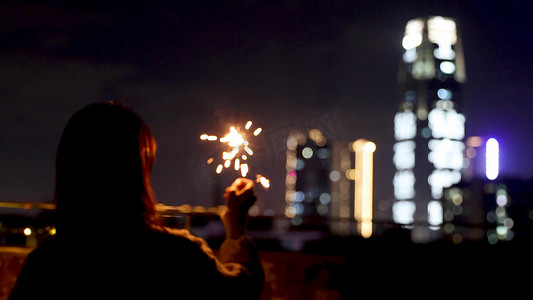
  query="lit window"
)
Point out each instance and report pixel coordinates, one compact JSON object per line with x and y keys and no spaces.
{"x":446,"y":124}
{"x":446,"y":154}
{"x":413,"y":34}
{"x":334,"y":176}
{"x":307,"y":152}
{"x":404,"y":155}
{"x":442,"y":31}
{"x":444,"y":52}
{"x":435,"y":213}
{"x":410,"y":55}
{"x":404,"y":125}
{"x":411,"y":41}
{"x":404,"y":185}
{"x":444,"y":94}
{"x":447,"y":67}
{"x":440,"y":179}
{"x":403,"y":212}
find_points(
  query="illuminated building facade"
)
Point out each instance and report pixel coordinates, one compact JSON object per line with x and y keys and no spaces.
{"x":428,"y":127}
{"x":307,"y":180}
{"x":363,"y":199}
{"x":342,"y":190}
{"x":351,"y":182}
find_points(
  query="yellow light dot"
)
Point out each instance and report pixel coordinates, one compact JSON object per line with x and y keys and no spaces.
{"x":27,"y":231}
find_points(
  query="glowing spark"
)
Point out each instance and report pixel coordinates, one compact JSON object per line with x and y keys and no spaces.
{"x":233,"y":138}
{"x":204,"y":137}
{"x":244,"y":170}
{"x":236,"y":141}
{"x":263,"y":181}
{"x":248,"y":150}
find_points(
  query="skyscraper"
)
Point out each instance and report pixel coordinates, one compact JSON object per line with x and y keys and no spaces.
{"x":428,"y":127}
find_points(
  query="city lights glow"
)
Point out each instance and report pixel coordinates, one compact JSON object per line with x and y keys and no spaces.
{"x":444,"y":94}
{"x":404,"y":155}
{"x":404,"y":125}
{"x":447,"y":67}
{"x":442,"y":178}
{"x":404,"y":185}
{"x":446,"y":124}
{"x":403,"y":212}
{"x":413,"y":34}
{"x":435,"y":213}
{"x":363,"y":185}
{"x":446,"y":154}
{"x":492,"y":158}
{"x":411,"y":41}
{"x":442,"y":31}
{"x":307,"y":152}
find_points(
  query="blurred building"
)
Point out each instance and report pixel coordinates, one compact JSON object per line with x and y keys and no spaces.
{"x":342,"y":190}
{"x":428,"y":127}
{"x":491,"y":210}
{"x":308,"y":179}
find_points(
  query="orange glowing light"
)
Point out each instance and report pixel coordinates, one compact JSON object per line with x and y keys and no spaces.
{"x":263,"y":181}
{"x":237,"y":142}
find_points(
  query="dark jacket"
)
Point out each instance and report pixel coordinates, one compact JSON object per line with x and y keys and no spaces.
{"x":169,"y":264}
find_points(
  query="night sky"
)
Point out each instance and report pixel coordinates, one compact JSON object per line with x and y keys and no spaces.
{"x":193,"y":67}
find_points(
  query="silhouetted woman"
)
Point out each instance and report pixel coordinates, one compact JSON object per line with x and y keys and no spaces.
{"x":110,"y":241}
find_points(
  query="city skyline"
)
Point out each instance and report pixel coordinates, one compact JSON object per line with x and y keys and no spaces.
{"x":187,"y":69}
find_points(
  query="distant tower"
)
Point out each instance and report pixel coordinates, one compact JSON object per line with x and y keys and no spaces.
{"x":428,"y":127}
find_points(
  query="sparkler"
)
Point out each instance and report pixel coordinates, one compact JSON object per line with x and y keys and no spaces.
{"x":238,"y":152}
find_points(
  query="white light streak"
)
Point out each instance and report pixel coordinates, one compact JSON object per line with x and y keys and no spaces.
{"x":248,"y":125}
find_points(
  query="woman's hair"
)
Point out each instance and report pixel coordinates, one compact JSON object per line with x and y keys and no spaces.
{"x":103,"y":167}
